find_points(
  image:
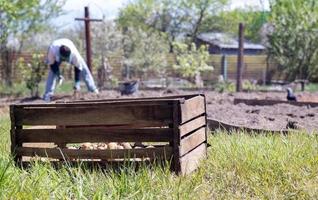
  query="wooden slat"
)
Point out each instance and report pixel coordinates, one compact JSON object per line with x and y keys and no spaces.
{"x":192,"y":141}
{"x":164,"y":100}
{"x":12,"y":131}
{"x":176,"y":138}
{"x":257,"y":102}
{"x":152,"y":115}
{"x":152,"y":99}
{"x":192,"y":125}
{"x":96,"y":154}
{"x":192,"y":108}
{"x":13,"y":135}
{"x":191,"y":161}
{"x":101,"y":104}
{"x":80,"y":135}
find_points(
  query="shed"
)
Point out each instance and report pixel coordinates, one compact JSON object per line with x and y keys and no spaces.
{"x":223,"y":43}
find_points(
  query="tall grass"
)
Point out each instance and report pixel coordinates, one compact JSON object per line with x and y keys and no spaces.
{"x":239,"y":166}
{"x":20,"y":89}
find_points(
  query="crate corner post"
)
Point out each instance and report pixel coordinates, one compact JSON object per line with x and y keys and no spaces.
{"x":13,"y":134}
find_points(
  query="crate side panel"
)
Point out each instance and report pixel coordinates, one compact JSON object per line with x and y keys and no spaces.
{"x":159,"y":115}
{"x":81,"y":135}
{"x":192,"y":125}
{"x":192,"y":141}
{"x":192,"y":108}
{"x":191,"y":161}
{"x":101,"y":103}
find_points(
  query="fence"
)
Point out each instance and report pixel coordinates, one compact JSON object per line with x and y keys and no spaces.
{"x":256,"y":67}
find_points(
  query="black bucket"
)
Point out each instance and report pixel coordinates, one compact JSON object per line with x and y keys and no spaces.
{"x":128,"y":87}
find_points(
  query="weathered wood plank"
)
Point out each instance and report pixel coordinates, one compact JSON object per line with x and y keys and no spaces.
{"x":258,"y":102}
{"x":80,"y":135}
{"x":160,"y":115}
{"x":191,"y":161}
{"x":13,"y":135}
{"x":96,"y":154}
{"x":192,"y":141}
{"x":176,"y":138}
{"x":162,"y":98}
{"x":192,"y":108}
{"x":101,"y":104}
{"x":192,"y":125}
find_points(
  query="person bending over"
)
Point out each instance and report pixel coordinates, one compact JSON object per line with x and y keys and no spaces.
{"x":63,"y":50}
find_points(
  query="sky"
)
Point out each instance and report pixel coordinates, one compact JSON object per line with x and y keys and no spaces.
{"x":109,"y":9}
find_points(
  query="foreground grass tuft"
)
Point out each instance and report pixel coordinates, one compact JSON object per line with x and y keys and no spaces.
{"x":239,"y":166}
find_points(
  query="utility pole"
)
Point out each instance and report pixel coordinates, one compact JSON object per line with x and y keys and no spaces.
{"x":240,"y":58}
{"x":87,"y":21}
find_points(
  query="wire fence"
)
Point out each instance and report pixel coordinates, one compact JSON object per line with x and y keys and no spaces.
{"x":256,"y":67}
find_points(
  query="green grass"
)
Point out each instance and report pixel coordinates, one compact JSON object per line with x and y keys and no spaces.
{"x":239,"y":166}
{"x":20,"y":89}
{"x":311,"y":87}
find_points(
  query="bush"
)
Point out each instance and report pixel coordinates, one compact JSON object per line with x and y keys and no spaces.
{"x":33,"y":73}
{"x":191,"y":61}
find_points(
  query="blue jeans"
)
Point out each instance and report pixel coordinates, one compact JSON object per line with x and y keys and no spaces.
{"x":52,"y":77}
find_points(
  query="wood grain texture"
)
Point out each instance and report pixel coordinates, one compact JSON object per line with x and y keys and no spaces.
{"x":192,"y":125}
{"x":151,"y":99}
{"x":13,"y":135}
{"x":81,"y":135}
{"x":192,"y":141}
{"x":176,"y":138}
{"x":158,"y":114}
{"x":192,"y":108}
{"x":191,"y":161}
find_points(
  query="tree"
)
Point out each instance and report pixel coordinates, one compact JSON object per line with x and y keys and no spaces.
{"x":198,"y":11}
{"x":107,"y":38}
{"x":294,"y":40}
{"x":228,"y":20}
{"x":18,"y":20}
{"x":145,"y":52}
{"x":174,"y":18}
{"x":107,"y":41}
{"x":191,"y":61}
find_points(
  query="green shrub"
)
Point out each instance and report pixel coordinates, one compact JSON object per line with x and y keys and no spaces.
{"x":33,"y":73}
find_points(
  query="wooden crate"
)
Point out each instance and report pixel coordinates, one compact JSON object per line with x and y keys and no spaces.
{"x":177,"y":121}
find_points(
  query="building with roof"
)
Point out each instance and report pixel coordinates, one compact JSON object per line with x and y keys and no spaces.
{"x":223,"y":43}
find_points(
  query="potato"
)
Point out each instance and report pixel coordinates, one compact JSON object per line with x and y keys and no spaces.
{"x":91,"y":147}
{"x":102,"y":147}
{"x":86,"y":145}
{"x":112,"y":145}
{"x":126,"y":145}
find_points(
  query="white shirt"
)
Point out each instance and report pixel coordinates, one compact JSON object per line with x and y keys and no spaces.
{"x":54,"y":53}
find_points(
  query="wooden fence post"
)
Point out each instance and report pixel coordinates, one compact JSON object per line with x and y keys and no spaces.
{"x":240,"y":58}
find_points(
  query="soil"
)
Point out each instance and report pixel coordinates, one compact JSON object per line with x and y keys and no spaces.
{"x":220,"y":106}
